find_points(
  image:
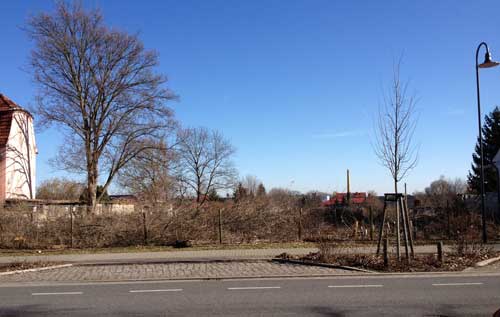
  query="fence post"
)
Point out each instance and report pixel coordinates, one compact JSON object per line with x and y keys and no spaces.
{"x":440,"y":253}
{"x":220,"y":226}
{"x":299,"y":232}
{"x":448,"y":225}
{"x":371,"y":223}
{"x":71,"y":210}
{"x":386,"y":255}
{"x":144,"y":227}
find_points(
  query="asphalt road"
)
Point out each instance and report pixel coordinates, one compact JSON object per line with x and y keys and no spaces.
{"x":429,"y":295}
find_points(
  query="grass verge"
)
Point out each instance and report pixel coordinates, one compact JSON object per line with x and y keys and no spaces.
{"x":136,"y":249}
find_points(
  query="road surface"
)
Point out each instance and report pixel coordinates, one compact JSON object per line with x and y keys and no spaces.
{"x":395,"y":295}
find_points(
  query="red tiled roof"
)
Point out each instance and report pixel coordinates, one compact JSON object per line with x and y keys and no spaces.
{"x":7,"y":107}
{"x":7,"y":104}
{"x":340,"y":198}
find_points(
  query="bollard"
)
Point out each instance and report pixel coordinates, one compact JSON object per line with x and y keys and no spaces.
{"x":440,"y":251}
{"x":386,"y":256}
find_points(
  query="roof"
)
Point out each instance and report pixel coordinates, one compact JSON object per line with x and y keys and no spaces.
{"x":6,"y":104}
{"x":341,"y":198}
{"x":123,"y":197}
{"x":7,"y":108}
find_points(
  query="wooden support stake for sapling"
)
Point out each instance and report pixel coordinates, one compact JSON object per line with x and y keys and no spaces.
{"x":386,"y":255}
{"x":405,"y":228}
{"x":381,"y":228}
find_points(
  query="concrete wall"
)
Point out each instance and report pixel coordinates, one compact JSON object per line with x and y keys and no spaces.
{"x":47,"y":210}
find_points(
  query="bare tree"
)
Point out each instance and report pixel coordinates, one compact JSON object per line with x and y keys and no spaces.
{"x":395,"y":129}
{"x":99,"y":86}
{"x":443,"y":191}
{"x":149,"y":174}
{"x":204,"y":162}
{"x":60,"y":189}
{"x":251,"y":184}
{"x":22,"y":151}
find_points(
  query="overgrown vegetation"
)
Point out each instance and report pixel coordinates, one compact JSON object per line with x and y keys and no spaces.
{"x":340,"y":254}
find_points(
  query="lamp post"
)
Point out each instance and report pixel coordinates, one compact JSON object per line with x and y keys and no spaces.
{"x":486,"y":64}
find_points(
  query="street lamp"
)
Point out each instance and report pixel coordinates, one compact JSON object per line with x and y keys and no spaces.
{"x":486,"y":64}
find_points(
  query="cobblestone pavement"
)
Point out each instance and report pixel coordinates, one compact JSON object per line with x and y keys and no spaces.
{"x":171,"y":271}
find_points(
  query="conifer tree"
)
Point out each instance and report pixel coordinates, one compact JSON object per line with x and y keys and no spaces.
{"x":491,"y":145}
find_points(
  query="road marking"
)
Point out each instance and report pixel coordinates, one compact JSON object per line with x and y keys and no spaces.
{"x":355,"y":286}
{"x":252,"y":287}
{"x":457,"y":284}
{"x":155,"y":290}
{"x":58,"y":293}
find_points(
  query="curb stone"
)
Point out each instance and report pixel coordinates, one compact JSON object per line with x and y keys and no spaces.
{"x":36,"y":269}
{"x":487,"y":262}
{"x":333,"y":266}
{"x":169,"y":261}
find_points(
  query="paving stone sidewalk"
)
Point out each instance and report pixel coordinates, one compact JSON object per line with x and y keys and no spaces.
{"x":226,"y":254}
{"x":190,"y":270}
{"x":138,"y":257}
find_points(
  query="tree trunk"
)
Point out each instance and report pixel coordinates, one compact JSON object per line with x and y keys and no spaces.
{"x":92,"y":189}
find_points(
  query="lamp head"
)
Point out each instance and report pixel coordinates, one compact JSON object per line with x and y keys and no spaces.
{"x":488,"y":62}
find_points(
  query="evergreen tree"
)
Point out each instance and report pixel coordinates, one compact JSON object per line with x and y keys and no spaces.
{"x":491,"y":145}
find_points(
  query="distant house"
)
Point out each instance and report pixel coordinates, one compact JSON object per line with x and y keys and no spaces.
{"x":17,"y":152}
{"x":342,"y":198}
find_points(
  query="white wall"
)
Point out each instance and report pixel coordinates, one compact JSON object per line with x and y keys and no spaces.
{"x":21,"y":158}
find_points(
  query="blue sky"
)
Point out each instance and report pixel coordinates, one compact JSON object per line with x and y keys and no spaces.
{"x":295,"y":85}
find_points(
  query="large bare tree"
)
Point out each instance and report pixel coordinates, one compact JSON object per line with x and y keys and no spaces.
{"x":205,"y":162}
{"x":99,"y":86}
{"x":395,"y":128}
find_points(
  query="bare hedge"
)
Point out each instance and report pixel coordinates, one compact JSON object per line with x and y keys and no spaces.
{"x":245,"y":221}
